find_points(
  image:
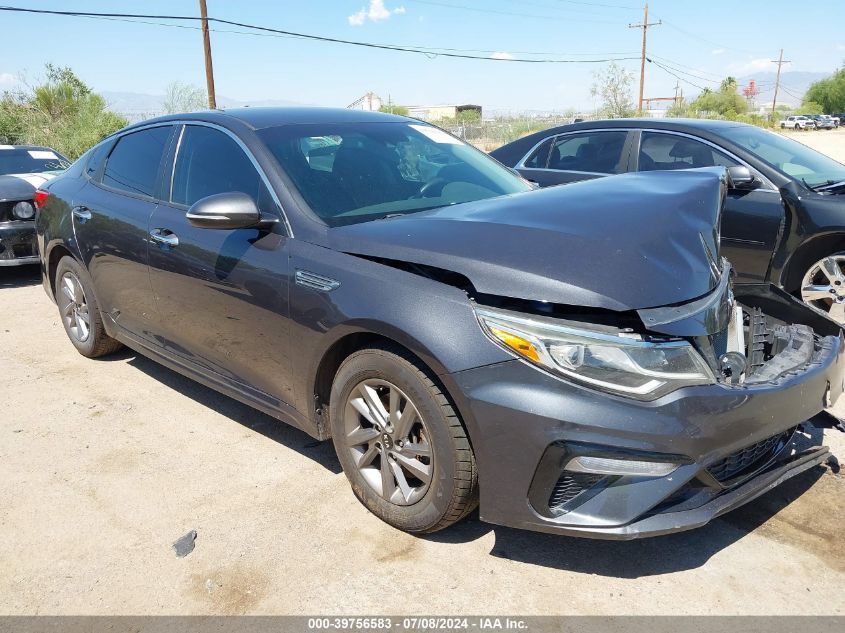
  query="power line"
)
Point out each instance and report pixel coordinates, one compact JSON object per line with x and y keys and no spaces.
{"x":676,"y":76}
{"x":671,"y":64}
{"x":320,"y":38}
{"x":434,"y":50}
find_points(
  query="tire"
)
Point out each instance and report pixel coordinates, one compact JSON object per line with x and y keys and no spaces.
{"x":783,"y":126}
{"x":417,"y":507}
{"x":80,"y":313}
{"x":823,"y":286}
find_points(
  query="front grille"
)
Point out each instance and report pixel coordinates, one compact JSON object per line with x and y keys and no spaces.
{"x":750,"y":458}
{"x":569,"y":486}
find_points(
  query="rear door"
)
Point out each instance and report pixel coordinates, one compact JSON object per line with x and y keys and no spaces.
{"x":222,"y":294}
{"x":110,"y":216}
{"x":576,"y":156}
{"x":751,"y":219}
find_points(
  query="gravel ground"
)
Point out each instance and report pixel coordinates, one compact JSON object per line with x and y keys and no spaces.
{"x":105,"y":464}
{"x":830,"y":142}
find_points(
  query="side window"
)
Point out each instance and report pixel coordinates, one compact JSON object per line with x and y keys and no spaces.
{"x":540,"y":157}
{"x":133,"y":164}
{"x":668,"y":151}
{"x":210,"y":162}
{"x":597,"y":152}
{"x":95,"y":161}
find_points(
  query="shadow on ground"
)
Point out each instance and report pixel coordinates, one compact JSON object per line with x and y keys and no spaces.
{"x":321,"y":452}
{"x":652,"y":556}
{"x":621,"y":559}
{"x":19,"y":276}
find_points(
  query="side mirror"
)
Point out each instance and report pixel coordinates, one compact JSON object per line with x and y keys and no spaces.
{"x":740,"y":177}
{"x":233,"y":210}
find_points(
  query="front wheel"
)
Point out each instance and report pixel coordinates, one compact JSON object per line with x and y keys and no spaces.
{"x":823,"y":286}
{"x":400,"y":442}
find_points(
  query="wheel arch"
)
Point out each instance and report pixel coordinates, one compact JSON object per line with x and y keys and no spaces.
{"x":807,"y":254}
{"x":351,"y":342}
{"x":55,"y":255}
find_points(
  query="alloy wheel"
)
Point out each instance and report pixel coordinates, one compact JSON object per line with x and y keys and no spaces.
{"x":74,"y":307}
{"x":823,"y":287}
{"x":389,"y":442}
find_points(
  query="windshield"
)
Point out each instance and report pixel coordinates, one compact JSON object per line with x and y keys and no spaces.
{"x":356,"y":172}
{"x":31,"y":161}
{"x":790,"y":157}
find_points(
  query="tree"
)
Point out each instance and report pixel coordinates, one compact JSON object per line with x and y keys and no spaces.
{"x":811,"y":107}
{"x":613,"y":86}
{"x":181,"y":97}
{"x":829,"y":93}
{"x":725,"y":102}
{"x":394,"y":109}
{"x":62,"y":112}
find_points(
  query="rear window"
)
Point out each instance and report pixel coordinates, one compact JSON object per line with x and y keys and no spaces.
{"x":133,"y":164}
{"x":30,"y":161}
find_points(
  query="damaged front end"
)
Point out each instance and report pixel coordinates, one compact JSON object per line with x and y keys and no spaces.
{"x":696,"y":409}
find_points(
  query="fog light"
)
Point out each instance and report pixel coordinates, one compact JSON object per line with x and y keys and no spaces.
{"x":23,"y":210}
{"x":609,"y":466}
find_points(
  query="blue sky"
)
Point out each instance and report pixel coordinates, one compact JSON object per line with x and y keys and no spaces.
{"x":708,"y":38}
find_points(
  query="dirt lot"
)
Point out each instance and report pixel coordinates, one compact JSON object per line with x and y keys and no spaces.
{"x":104,"y":464}
{"x":830,"y":142}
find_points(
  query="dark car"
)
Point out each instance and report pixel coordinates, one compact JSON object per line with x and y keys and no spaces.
{"x":784,"y":224}
{"x":822,"y":122}
{"x":573,"y":356}
{"x":23,"y":168}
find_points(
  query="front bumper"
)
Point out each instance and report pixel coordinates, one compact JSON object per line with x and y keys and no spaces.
{"x":528,"y":424}
{"x":17,"y":243}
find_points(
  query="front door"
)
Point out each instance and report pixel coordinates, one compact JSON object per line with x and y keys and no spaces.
{"x":222,"y":294}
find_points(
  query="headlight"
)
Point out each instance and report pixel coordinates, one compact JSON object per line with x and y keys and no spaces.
{"x":619,"y":363}
{"x":23,"y":210}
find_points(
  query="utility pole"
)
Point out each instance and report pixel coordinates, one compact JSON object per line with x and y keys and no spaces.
{"x":780,"y":62}
{"x":644,"y":26}
{"x":209,"y":68}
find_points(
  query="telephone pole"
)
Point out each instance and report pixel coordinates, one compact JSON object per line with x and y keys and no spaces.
{"x":644,"y":26}
{"x":209,"y":68}
{"x":780,"y":61}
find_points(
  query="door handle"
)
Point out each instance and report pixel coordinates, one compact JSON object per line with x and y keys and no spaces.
{"x":82,"y":213}
{"x":165,"y":237}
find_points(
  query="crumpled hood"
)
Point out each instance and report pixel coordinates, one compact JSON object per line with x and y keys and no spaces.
{"x":622,"y":243}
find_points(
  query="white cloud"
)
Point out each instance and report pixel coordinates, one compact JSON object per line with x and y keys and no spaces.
{"x":501,"y":55}
{"x":717,"y":51}
{"x":840,"y":47}
{"x":8,"y":78}
{"x":752,"y":65}
{"x":375,"y":12}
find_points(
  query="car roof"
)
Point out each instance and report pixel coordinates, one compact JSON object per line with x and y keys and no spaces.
{"x":263,"y":117}
{"x":512,"y":152}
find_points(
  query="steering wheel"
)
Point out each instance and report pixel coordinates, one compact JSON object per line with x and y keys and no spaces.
{"x":431,"y":189}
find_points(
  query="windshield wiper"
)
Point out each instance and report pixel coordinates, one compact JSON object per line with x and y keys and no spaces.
{"x":824,"y":186}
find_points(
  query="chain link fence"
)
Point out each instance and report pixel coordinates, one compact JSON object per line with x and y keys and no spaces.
{"x":488,"y":134}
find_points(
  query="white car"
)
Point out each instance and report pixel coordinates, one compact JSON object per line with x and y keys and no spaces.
{"x":797,"y":122}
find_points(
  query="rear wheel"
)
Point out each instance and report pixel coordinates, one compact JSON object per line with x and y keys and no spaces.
{"x":823,"y":286}
{"x":400,"y":442}
{"x":79,"y":311}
